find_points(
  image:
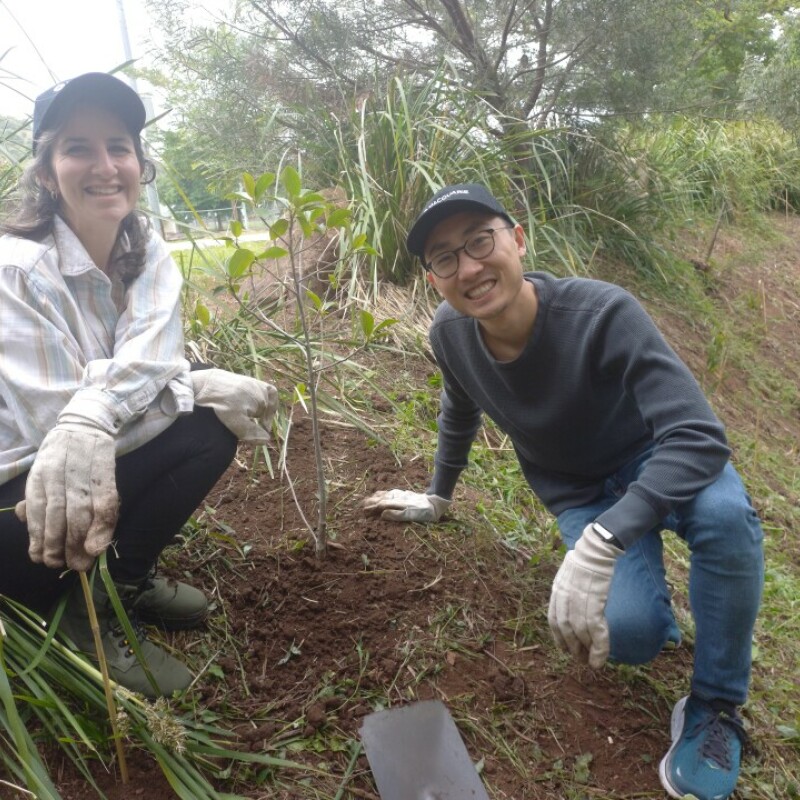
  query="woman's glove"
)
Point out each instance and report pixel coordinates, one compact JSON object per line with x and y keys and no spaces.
{"x":578,"y":600}
{"x":404,"y":506}
{"x":244,"y":405}
{"x":71,"y":502}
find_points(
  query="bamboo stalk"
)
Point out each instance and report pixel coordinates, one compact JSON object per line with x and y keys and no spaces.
{"x":101,"y":657}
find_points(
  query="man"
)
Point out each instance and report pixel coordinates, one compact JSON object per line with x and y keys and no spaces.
{"x":616,"y":438}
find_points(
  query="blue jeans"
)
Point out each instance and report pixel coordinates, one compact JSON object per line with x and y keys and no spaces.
{"x":726,"y":576}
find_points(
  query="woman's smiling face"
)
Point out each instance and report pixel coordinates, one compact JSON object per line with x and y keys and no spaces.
{"x":95,"y":169}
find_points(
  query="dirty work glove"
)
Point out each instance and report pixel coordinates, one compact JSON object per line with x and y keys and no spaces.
{"x":578,"y":599}
{"x":244,"y":405}
{"x":71,"y":502}
{"x":404,"y":506}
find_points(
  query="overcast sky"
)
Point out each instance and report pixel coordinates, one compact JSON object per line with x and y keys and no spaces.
{"x":46,"y":41}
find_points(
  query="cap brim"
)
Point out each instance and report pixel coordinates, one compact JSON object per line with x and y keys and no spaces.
{"x":98,"y":89}
{"x":423,"y":227}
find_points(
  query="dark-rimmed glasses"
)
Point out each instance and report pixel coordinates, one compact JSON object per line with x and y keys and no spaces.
{"x":445,"y":265}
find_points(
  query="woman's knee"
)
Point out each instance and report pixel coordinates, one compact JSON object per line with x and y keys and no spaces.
{"x":216,"y":441}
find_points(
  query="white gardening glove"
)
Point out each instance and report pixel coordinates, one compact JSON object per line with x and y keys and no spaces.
{"x":578,"y":599}
{"x":244,"y":405}
{"x":404,"y":506}
{"x":71,"y":502}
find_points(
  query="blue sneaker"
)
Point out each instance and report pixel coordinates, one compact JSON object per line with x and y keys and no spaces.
{"x":703,"y":761}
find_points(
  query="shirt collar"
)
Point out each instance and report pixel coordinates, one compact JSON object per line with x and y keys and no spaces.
{"x":72,"y":254}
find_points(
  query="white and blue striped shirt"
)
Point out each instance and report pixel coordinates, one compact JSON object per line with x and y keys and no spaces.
{"x":75,"y":338}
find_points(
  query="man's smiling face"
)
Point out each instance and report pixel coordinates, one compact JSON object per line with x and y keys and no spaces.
{"x":481,"y":287}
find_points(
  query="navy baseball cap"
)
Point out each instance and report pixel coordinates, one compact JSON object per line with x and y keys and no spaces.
{"x":446,"y":202}
{"x":93,"y":88}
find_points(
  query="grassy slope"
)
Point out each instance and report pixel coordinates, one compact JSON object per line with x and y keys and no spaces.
{"x":735,"y":321}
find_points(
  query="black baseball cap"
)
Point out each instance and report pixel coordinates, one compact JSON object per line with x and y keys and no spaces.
{"x":446,"y":202}
{"x":95,"y":89}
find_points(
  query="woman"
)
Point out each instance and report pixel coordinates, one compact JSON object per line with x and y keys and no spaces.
{"x":104,"y":432}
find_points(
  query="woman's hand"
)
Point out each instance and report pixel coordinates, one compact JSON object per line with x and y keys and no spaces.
{"x":71,"y":503}
{"x":244,"y":405}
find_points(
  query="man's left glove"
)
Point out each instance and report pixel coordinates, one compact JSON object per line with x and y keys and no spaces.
{"x":71,"y":502}
{"x":401,"y":505}
{"x":578,"y":599}
{"x":243,"y":404}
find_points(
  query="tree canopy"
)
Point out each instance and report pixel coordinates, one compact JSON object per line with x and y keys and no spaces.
{"x":276,"y":76}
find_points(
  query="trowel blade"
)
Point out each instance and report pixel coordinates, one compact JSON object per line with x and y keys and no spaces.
{"x":416,"y":753}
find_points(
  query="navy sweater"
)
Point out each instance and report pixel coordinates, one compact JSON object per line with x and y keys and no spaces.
{"x":595,"y":386}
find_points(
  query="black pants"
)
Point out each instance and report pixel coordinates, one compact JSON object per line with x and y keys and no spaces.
{"x":160,"y":485}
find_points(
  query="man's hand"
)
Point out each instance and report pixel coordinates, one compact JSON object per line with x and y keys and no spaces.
{"x":71,"y":502}
{"x":244,"y":405}
{"x":404,"y":506}
{"x":578,"y":599}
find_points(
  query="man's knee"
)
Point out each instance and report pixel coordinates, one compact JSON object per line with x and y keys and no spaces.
{"x":638,"y":636}
{"x":722,"y":517}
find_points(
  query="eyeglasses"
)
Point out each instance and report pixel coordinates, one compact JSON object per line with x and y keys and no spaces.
{"x":445,"y":265}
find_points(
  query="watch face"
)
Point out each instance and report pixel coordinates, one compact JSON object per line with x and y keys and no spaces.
{"x":602,"y":532}
{"x":606,"y":535}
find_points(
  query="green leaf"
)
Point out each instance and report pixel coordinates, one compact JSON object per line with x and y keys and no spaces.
{"x":310,"y":198}
{"x":239,"y":262}
{"x":387,"y":323}
{"x":278,"y":229}
{"x":239,"y":196}
{"x":236,"y":228}
{"x":290,"y":179}
{"x":307,"y":227}
{"x":301,"y":393}
{"x":221,"y":536}
{"x":274,"y":252}
{"x":249,"y":185}
{"x":202,"y":313}
{"x":581,"y":771}
{"x":339,"y":218}
{"x":262,"y":184}
{"x":367,"y":323}
{"x":315,"y":299}
{"x":315,"y":213}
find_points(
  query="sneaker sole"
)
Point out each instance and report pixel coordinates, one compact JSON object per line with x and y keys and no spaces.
{"x":675,"y":728}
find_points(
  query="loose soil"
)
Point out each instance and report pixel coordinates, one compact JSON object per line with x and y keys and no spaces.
{"x":299,"y":649}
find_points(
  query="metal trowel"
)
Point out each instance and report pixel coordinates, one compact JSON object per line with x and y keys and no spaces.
{"x":416,"y":753}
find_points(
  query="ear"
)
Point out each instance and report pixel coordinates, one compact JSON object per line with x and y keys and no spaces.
{"x":46,"y":180}
{"x":519,"y":237}
{"x":432,"y":281}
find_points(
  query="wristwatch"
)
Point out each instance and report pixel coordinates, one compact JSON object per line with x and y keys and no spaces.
{"x":606,"y":535}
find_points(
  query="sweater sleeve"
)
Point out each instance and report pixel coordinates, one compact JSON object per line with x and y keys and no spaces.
{"x":458,"y":422}
{"x":690,"y":447}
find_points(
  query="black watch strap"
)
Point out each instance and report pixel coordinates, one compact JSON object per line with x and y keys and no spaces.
{"x":606,"y":535}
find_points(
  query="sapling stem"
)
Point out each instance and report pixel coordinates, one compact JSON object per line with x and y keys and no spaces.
{"x":320,"y":535}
